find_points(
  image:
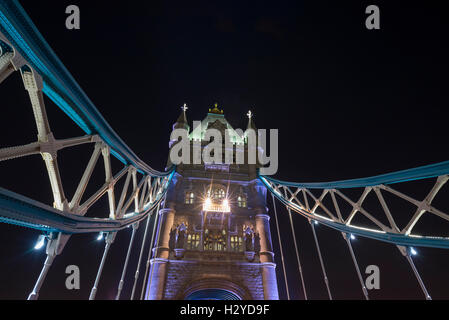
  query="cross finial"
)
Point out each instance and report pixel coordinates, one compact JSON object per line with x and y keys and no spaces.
{"x":249,"y":114}
{"x":184,"y":107}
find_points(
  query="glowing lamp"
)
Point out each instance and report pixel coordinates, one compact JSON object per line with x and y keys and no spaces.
{"x":40,"y":243}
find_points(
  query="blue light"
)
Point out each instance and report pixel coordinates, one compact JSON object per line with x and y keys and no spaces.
{"x":352,"y":237}
{"x":100,"y":236}
{"x":413,"y":251}
{"x":315,"y":222}
{"x":40,"y":243}
{"x":213,"y":294}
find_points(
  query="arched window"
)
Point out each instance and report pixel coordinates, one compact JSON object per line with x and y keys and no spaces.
{"x":190,"y":198}
{"x":236,"y":243}
{"x":241,"y":201}
{"x":193,"y":241}
{"x":217,"y":193}
{"x":215,"y":240}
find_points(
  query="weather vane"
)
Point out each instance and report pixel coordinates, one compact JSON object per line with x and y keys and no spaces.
{"x":184,"y":107}
{"x":249,"y":114}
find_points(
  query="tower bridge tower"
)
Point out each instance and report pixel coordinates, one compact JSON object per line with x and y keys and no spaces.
{"x":213,"y":239}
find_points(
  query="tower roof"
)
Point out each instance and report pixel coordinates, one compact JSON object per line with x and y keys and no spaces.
{"x":182,"y":119}
{"x":214,"y":115}
{"x":251,"y":124}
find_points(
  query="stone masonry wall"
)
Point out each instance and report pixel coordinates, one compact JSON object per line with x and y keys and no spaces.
{"x":181,"y":275}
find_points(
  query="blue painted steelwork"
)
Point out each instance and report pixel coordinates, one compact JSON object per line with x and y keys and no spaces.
{"x":425,"y":172}
{"x":60,"y":86}
{"x":22,"y":211}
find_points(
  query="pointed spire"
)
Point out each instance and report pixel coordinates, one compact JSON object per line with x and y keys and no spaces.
{"x":251,"y":124}
{"x":182,"y":119}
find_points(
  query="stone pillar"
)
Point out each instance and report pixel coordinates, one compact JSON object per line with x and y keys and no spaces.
{"x":268,"y":266}
{"x":166,"y":218}
{"x":156,"y":281}
{"x":263,"y":228}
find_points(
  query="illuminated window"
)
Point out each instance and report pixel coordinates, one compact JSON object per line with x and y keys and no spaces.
{"x":215,"y":240}
{"x":241,"y":201}
{"x":217,"y":193}
{"x":193,"y":241}
{"x":190,"y":198}
{"x":236,"y":243}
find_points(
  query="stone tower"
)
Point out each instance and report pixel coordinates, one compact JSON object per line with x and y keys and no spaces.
{"x":214,"y":239}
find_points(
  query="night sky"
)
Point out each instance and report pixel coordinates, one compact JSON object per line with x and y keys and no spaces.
{"x":348,"y":102}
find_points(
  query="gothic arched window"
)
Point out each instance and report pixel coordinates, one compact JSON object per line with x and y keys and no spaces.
{"x":215,"y":240}
{"x":217,"y":193}
{"x":236,"y":243}
{"x":193,"y":241}
{"x":241,"y":201}
{"x":190,"y":198}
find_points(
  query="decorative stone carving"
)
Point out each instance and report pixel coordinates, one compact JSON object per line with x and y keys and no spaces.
{"x":172,"y":240}
{"x":257,"y":243}
{"x":178,"y":238}
{"x":181,"y":235}
{"x":248,"y":237}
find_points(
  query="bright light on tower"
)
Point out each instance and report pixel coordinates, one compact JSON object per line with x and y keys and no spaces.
{"x":413,"y":251}
{"x":226,"y":207}
{"x":40,"y":242}
{"x":209,"y":206}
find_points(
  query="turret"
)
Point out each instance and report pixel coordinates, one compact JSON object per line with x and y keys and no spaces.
{"x":182,"y":122}
{"x":251,"y":124}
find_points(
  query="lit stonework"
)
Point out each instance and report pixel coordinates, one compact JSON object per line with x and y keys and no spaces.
{"x":214,"y":238}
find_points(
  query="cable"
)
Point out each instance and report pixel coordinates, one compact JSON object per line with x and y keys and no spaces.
{"x":280,"y":245}
{"x":297,"y":254}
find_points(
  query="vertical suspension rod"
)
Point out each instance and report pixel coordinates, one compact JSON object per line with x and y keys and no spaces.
{"x":93,"y":292}
{"x":280,"y":246}
{"x":150,"y":252}
{"x":136,"y":275}
{"x":37,"y":287}
{"x":326,"y":280}
{"x":297,"y":254}
{"x":157,"y":241}
{"x":348,"y":241}
{"x":407,"y":255}
{"x":125,"y":266}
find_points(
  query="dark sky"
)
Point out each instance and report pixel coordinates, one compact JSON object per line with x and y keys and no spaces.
{"x":348,"y":103}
